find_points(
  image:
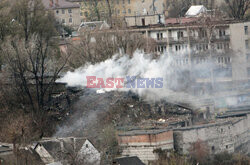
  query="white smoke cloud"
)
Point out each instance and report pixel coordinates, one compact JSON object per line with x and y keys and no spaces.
{"x":140,"y":65}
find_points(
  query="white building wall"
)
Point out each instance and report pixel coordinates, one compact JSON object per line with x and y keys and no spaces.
{"x":238,"y":38}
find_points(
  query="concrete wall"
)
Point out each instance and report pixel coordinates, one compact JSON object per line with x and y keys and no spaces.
{"x":143,"y":145}
{"x":238,"y":38}
{"x":231,"y":136}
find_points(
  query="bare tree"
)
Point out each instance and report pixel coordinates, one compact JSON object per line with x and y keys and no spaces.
{"x":34,"y":67}
{"x":97,"y":10}
{"x":179,"y":7}
{"x":109,"y":144}
{"x":31,"y":17}
{"x":5,"y":19}
{"x":238,"y":8}
{"x":199,"y":151}
{"x":97,"y":46}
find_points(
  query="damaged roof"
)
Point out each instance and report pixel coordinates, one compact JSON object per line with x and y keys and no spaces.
{"x":143,"y":132}
{"x":133,"y":160}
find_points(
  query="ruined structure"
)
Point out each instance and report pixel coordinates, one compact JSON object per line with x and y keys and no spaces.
{"x":230,"y":132}
{"x":142,"y":143}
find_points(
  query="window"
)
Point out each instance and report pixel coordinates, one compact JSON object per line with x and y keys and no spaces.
{"x":226,"y":45}
{"x":222,"y":33}
{"x":219,"y":46}
{"x":129,"y":11}
{"x":63,"y":11}
{"x":123,"y":1}
{"x":70,"y":20}
{"x":143,"y":21}
{"x":246,"y":44}
{"x":212,"y":148}
{"x":69,"y":11}
{"x":81,"y":14}
{"x":87,"y":146}
{"x":248,"y":72}
{"x":118,"y":11}
{"x":177,"y":47}
{"x":159,"y":36}
{"x":63,"y":20}
{"x":248,"y":56}
{"x":117,"y":1}
{"x":180,"y":34}
{"x":57,"y":11}
{"x":128,"y":1}
{"x":246,"y":30}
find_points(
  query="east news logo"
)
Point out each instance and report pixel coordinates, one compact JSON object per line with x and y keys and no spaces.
{"x":128,"y":82}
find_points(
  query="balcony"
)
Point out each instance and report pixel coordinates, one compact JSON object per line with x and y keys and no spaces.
{"x":178,"y":40}
{"x":221,"y":38}
{"x":161,"y":40}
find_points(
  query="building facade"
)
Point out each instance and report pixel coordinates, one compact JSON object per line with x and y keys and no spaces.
{"x":231,"y":135}
{"x":67,"y":13}
{"x":144,"y":143}
{"x":216,"y":53}
{"x":228,"y":133}
{"x":136,"y":8}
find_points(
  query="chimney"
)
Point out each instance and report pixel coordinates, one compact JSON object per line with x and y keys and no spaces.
{"x":51,"y":3}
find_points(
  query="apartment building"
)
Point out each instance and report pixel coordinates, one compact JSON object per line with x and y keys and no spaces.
{"x":141,"y":7}
{"x":66,"y":12}
{"x":215,"y":53}
{"x":211,"y":4}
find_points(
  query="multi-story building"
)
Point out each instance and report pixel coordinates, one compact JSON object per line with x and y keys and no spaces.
{"x":142,"y":7}
{"x":193,"y":43}
{"x":67,"y":13}
{"x":211,"y":4}
{"x":120,"y":8}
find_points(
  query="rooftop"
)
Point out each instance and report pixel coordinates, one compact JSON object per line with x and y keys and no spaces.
{"x":194,"y":11}
{"x":182,"y":20}
{"x":5,"y":148}
{"x":217,"y":122}
{"x":133,"y":160}
{"x":59,"y":4}
{"x":143,"y":132}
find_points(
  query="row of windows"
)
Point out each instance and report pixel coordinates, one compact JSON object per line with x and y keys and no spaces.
{"x":63,"y":11}
{"x":70,"y":20}
{"x":224,"y":60}
{"x":219,"y":46}
{"x":160,"y":49}
{"x":124,"y":11}
{"x":201,"y":60}
{"x":182,"y":61}
{"x":180,"y":47}
{"x":200,"y":47}
{"x":123,"y":1}
{"x":222,"y":46}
